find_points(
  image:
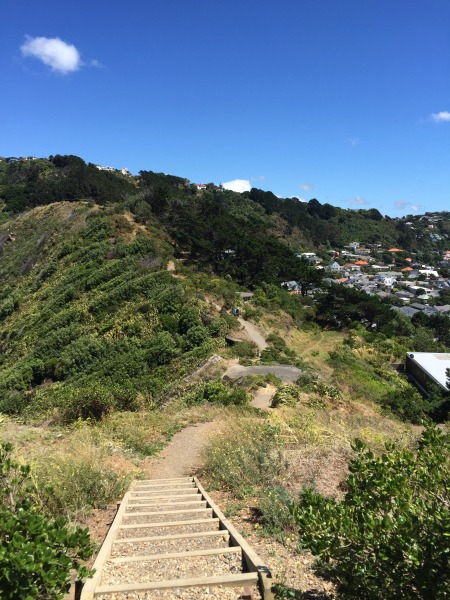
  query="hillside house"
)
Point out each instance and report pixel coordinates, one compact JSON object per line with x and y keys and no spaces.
{"x":334,"y":267}
{"x":425,"y":368}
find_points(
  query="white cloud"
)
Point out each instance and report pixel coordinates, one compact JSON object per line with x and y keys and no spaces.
{"x":406,"y":206}
{"x":357,"y":201}
{"x":237,"y":185}
{"x":441,"y":117}
{"x":299,"y":199}
{"x":53,"y":52}
{"x":307,"y":187}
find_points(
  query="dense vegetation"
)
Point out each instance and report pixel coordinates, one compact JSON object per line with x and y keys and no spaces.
{"x":91,"y":319}
{"x":37,"y":553}
{"x":94,"y":328}
{"x":388,"y":537}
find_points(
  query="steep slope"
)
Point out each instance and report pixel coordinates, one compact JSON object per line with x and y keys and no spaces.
{"x":90,"y":317}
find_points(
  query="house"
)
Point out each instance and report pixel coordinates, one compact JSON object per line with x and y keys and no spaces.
{"x":291,"y":285}
{"x":311,"y":257}
{"x":201,"y":187}
{"x":352,"y":267}
{"x":245,"y":296}
{"x":334,"y":267}
{"x":425,"y":368}
{"x":406,"y":310}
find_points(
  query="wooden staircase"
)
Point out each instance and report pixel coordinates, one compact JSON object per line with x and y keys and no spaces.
{"x":170,"y":540}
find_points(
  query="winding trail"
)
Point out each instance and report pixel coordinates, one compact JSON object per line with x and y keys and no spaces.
{"x":182,"y":456}
{"x":283,"y":372}
{"x":253,"y":333}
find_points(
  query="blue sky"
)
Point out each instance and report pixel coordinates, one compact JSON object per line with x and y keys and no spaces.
{"x":347,"y":101}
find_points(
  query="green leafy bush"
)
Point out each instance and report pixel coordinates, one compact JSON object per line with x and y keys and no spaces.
{"x":36,"y":552}
{"x":389,"y":536}
{"x":246,"y":459}
{"x":217,"y":392}
{"x":287,"y":394}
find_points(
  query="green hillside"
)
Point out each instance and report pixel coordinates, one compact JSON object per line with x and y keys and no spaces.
{"x":90,"y":317}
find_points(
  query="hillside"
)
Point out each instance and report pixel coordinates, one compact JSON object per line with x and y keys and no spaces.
{"x":90,"y":317}
{"x":114,"y":309}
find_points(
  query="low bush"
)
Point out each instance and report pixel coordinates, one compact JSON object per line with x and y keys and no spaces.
{"x":217,"y":392}
{"x":388,"y":537}
{"x":37,"y":553}
{"x":287,"y":394}
{"x":245,"y":459}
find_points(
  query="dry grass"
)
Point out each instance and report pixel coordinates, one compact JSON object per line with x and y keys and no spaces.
{"x":320,"y":451}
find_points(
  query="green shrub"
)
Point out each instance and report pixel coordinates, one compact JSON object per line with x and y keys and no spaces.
{"x":246,"y":459}
{"x":274,"y":504}
{"x":287,"y":394}
{"x":217,"y":392}
{"x":389,"y":536}
{"x":37,"y":553}
{"x":244,"y":350}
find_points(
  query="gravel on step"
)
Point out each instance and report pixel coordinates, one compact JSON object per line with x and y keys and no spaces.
{"x":137,"y":519}
{"x":206,"y":593}
{"x":170,"y":506}
{"x":172,"y":568}
{"x":165,"y":546}
{"x":167,"y":530}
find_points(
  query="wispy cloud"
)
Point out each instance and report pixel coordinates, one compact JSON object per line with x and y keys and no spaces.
{"x":357,"y":201}
{"x":238,"y":185}
{"x":441,"y":117}
{"x":406,"y":206}
{"x":307,"y":187}
{"x":353,"y":141}
{"x":60,"y":56}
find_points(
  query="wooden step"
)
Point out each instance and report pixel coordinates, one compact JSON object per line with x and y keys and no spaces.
{"x":168,"y":555}
{"x":237,"y":580}
{"x":171,"y":548}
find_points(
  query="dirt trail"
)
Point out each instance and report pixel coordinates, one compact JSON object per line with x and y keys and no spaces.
{"x":263,"y":397}
{"x":183,"y":455}
{"x":253,"y":333}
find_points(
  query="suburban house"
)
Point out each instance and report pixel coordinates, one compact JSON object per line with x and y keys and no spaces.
{"x":334,"y":267}
{"x":428,"y":367}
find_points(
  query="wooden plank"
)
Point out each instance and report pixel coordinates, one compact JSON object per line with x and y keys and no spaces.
{"x":169,"y":512}
{"x":175,"y":536}
{"x":168,"y":524}
{"x":195,"y":501}
{"x":171,"y":555}
{"x":105,"y":551}
{"x":164,"y":497}
{"x":242,"y":579}
{"x":253,"y":561}
{"x":148,"y":481}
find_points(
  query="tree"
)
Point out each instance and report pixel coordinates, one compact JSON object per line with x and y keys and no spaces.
{"x":389,"y":536}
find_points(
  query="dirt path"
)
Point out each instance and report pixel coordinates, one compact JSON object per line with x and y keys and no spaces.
{"x":253,"y":333}
{"x":183,"y":455}
{"x":263,"y":397}
{"x":283,"y":372}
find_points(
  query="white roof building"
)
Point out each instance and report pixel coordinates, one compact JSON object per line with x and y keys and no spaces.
{"x":426,"y":366}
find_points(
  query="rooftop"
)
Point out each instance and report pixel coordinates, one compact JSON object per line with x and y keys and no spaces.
{"x":435,"y":364}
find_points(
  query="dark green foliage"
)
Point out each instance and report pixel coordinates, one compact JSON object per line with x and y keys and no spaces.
{"x":217,"y":392}
{"x":388,"y":537}
{"x":36,"y":552}
{"x":27,"y":184}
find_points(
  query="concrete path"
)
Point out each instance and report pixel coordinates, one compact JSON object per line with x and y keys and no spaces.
{"x":283,"y":372}
{"x":253,"y":333}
